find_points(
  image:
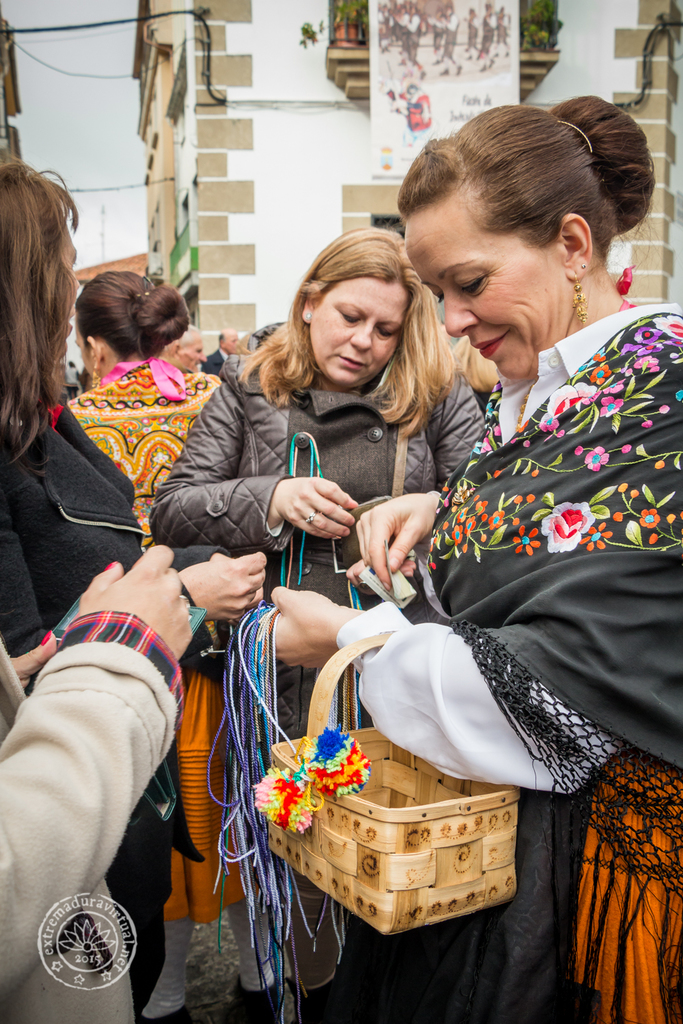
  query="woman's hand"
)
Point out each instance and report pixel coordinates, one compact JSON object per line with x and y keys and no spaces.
{"x":28,"y":664}
{"x":151,"y":590}
{"x":297,"y":498}
{"x":408,"y":519}
{"x":226,"y":587}
{"x":307,"y":627}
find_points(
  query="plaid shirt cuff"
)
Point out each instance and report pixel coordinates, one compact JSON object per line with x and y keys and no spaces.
{"x":129,"y":630}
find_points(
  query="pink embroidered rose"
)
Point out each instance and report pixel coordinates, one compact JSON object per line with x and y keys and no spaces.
{"x":650,"y":363}
{"x":564,"y":398}
{"x":670,"y":324}
{"x":565,"y":525}
{"x":596,"y":459}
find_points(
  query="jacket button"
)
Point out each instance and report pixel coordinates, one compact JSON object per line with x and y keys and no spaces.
{"x":301,"y":441}
{"x":376,"y":434}
{"x":217,"y":506}
{"x":306,"y":568}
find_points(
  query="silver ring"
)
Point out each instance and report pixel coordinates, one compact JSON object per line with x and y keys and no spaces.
{"x":312,"y":516}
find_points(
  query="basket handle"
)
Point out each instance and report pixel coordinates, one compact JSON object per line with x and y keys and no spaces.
{"x":326,"y":683}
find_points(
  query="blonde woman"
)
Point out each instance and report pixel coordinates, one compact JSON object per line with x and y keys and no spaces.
{"x":305,"y":428}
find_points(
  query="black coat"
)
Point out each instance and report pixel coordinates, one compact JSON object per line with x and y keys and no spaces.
{"x":214,"y":363}
{"x":57,"y":531}
{"x":60,"y":529}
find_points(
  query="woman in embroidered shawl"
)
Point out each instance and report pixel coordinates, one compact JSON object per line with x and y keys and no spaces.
{"x":556,"y":552}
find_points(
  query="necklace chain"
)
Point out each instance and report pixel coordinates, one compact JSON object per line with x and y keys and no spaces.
{"x":523,"y":409}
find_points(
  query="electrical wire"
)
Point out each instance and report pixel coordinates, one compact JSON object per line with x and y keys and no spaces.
{"x":9,"y":31}
{"x":122,"y":188}
{"x":197,"y":14}
{"x":80,"y":38}
{"x":61,"y":71}
{"x":663,"y":25}
{"x":289,"y":104}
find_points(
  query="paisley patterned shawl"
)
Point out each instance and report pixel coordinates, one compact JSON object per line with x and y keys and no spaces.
{"x":140,"y":430}
{"x":564,"y":544}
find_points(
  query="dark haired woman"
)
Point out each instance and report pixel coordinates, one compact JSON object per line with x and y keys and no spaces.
{"x":556,"y":551}
{"x":140,"y":407}
{"x":65,"y":508}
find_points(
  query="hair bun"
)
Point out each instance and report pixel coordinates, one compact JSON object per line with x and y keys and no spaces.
{"x":162,"y":316}
{"x":620,"y":155}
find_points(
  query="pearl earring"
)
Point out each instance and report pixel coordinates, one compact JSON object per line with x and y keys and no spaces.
{"x":308,"y":317}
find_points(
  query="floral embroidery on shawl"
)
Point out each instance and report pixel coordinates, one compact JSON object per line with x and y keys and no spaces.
{"x":610,"y":420}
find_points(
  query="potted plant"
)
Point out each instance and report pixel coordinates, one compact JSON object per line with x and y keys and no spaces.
{"x":351,"y":15}
{"x":539,"y":26}
{"x":350,"y":25}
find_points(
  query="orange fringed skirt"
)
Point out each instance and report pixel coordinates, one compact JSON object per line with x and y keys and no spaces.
{"x":193,"y":884}
{"x":643,"y":925}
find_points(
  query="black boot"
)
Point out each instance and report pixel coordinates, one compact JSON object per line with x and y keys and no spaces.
{"x":312,"y":1004}
{"x":257,"y":1006}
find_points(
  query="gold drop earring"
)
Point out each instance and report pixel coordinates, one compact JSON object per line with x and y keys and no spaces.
{"x":580,"y":303}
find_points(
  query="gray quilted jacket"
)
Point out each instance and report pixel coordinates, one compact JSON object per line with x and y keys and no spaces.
{"x":220,"y":488}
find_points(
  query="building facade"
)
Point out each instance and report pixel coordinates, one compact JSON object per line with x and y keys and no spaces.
{"x":241,"y":197}
{"x":10,"y":104}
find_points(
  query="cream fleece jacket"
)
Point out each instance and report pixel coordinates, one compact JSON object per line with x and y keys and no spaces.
{"x":75,"y":758}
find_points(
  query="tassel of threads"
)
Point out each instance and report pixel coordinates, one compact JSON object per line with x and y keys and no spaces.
{"x":249,"y":728}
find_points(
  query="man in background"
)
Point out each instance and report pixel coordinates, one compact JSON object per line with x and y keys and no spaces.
{"x":187,"y":353}
{"x":227,"y":346}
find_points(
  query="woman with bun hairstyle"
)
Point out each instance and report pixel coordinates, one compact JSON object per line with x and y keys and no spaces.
{"x":139,"y":413}
{"x":556,"y":552}
{"x":66,"y":514}
{"x":140,"y":407}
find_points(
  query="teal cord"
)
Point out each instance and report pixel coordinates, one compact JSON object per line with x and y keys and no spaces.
{"x":314,"y":462}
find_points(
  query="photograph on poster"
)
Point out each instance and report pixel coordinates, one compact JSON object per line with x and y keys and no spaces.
{"x":434,"y":65}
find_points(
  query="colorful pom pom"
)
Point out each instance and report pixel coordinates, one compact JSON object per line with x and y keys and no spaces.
{"x":333,"y":763}
{"x":283,"y":800}
{"x":337,"y":764}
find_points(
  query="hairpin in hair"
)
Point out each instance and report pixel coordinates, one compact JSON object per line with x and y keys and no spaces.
{"x":570,"y":125}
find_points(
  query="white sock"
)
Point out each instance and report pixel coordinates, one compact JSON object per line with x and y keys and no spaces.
{"x":169,"y":993}
{"x":238,"y":916}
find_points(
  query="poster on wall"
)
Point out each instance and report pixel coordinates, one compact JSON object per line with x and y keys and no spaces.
{"x":435,"y":64}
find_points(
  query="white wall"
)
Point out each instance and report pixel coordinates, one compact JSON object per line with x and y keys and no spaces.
{"x":301,"y":157}
{"x":587,"y":65}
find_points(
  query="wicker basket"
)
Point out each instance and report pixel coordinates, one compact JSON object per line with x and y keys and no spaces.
{"x":415,"y":846}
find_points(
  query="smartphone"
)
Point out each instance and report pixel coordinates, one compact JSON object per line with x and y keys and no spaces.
{"x":349,"y":545}
{"x":196,"y":616}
